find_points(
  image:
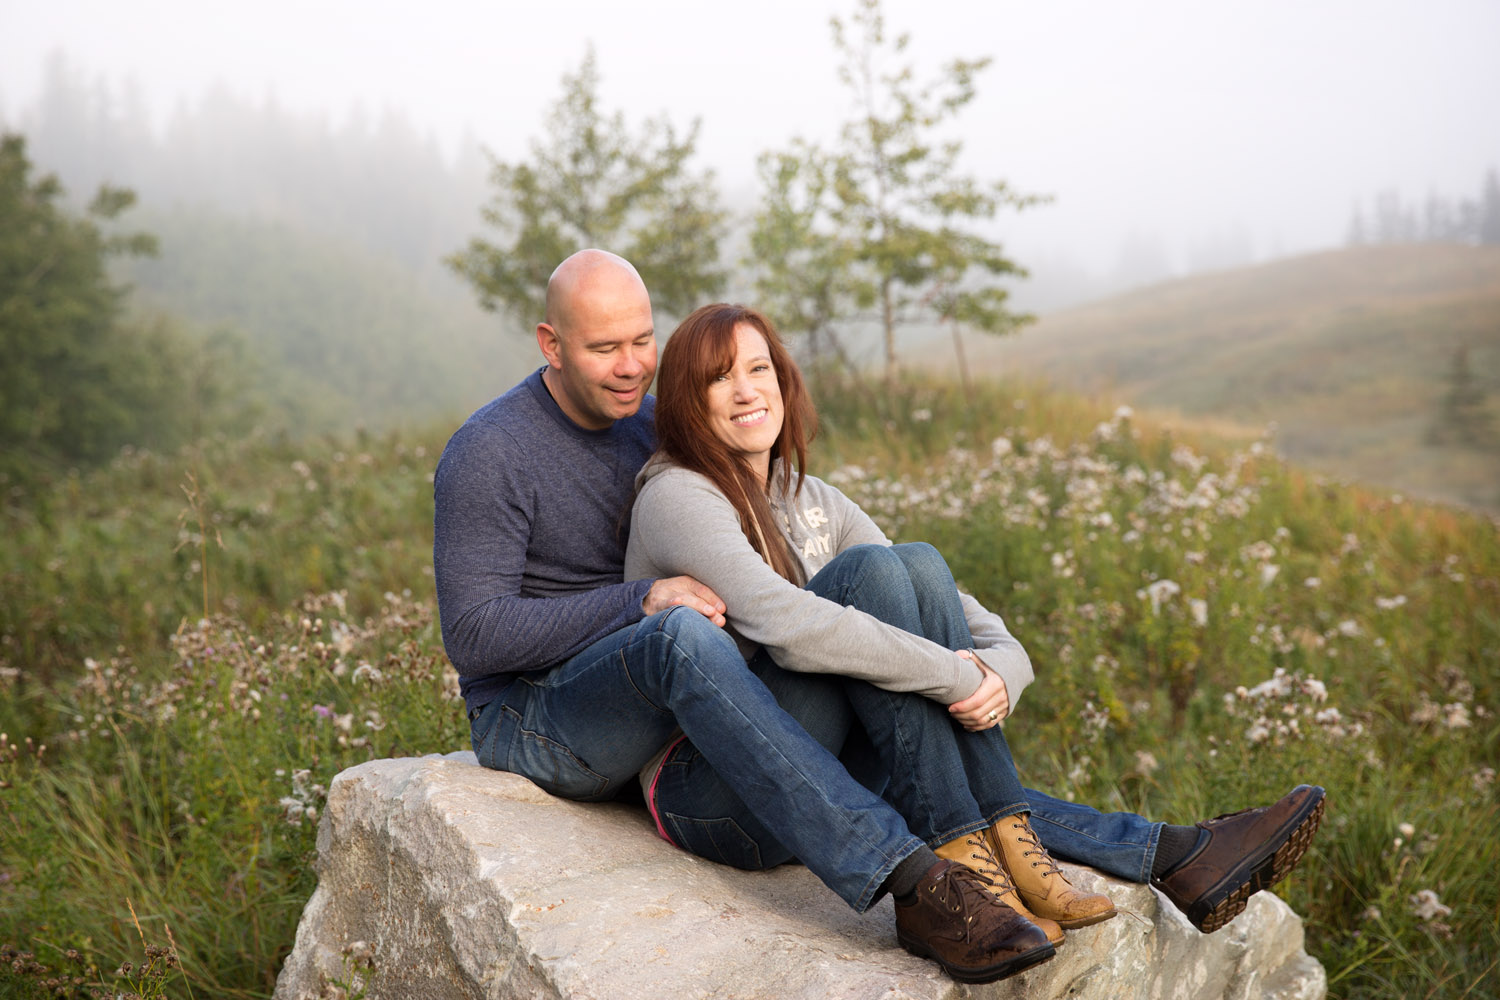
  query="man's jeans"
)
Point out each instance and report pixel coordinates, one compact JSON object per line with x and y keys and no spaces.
{"x":943,"y":780}
{"x":584,"y":729}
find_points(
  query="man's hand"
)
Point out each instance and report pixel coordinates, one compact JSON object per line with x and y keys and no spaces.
{"x":689,"y":593}
{"x":987,"y":705}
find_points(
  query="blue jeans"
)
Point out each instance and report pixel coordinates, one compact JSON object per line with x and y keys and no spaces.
{"x":944,"y":781}
{"x":585,"y":728}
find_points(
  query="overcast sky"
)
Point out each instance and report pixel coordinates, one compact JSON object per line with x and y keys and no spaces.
{"x":1181,"y":120}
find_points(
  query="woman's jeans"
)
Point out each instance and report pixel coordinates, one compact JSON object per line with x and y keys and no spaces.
{"x":944,"y":780}
{"x":585,"y":728}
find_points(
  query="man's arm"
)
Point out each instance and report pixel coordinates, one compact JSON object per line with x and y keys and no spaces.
{"x":484,"y":505}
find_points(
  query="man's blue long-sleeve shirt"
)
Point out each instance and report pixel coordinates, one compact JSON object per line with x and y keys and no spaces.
{"x":531,"y":516}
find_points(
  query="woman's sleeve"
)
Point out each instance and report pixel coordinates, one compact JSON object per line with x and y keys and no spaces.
{"x":1000,"y":650}
{"x":685,"y":526}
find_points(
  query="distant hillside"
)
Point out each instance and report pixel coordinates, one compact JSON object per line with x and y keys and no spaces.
{"x":340,"y":335}
{"x":1377,"y":364}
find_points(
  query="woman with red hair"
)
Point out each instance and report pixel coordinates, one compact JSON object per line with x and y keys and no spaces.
{"x":869,"y":645}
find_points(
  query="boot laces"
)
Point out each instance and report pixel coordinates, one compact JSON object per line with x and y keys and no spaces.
{"x":963,"y":891}
{"x":987,"y":866}
{"x":1026,"y":835}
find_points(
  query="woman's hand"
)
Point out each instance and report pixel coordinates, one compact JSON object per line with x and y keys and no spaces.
{"x":986,"y":706}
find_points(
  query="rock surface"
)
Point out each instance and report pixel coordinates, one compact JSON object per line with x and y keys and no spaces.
{"x":465,"y":883}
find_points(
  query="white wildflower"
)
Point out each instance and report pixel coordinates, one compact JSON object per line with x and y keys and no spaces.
{"x":367,"y":672}
{"x":1456,"y":715}
{"x":1483,"y":778}
{"x":1314,"y":689}
{"x":1390,"y":603}
{"x":1406,"y":830}
{"x":1159,"y":591}
{"x":1199,"y":609}
{"x":1268,"y":573}
{"x":1426,"y":905}
{"x":921,"y":416}
{"x":1312,"y":583}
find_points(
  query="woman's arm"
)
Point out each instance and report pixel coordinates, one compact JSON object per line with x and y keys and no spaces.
{"x":682,"y":525}
{"x":1000,"y":651}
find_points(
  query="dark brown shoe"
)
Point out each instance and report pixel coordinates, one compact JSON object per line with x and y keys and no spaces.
{"x":957,"y":922}
{"x":1239,"y":854}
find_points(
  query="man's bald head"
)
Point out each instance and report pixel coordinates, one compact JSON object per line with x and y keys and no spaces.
{"x":587,"y":278}
{"x":599,"y":338}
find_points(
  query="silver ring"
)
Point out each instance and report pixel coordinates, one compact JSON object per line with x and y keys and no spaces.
{"x":993,"y":716}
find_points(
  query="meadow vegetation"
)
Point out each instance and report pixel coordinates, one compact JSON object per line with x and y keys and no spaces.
{"x":193,"y":645}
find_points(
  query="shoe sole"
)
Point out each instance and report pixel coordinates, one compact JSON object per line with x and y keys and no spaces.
{"x":988,"y":974}
{"x":1273,"y":869}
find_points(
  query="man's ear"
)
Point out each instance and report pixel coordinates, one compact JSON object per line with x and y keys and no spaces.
{"x":550,"y":343}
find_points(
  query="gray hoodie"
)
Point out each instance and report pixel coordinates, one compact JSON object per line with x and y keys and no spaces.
{"x":682,"y":525}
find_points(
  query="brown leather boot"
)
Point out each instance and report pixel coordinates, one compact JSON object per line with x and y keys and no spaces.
{"x":973,"y":850}
{"x":953,"y":919}
{"x":1042,"y":885}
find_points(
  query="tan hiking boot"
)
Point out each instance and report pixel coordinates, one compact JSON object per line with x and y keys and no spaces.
{"x":973,"y":851}
{"x":1041,"y":884}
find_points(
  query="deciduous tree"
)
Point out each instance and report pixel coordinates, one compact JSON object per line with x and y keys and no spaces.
{"x":595,"y":182}
{"x":888,"y":211}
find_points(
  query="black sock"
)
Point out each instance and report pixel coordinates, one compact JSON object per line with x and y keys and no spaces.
{"x":1174,"y":844}
{"x":903,"y":880}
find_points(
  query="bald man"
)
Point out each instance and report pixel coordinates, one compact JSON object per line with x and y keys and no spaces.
{"x":577,"y":679}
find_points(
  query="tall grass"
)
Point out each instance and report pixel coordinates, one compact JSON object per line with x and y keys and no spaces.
{"x":1209,"y":627}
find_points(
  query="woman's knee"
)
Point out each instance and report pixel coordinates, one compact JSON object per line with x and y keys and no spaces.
{"x":690,"y":632}
{"x":924,"y":564}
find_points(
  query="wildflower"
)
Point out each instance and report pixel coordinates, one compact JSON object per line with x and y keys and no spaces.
{"x":1371,"y":913}
{"x":1160,"y":590}
{"x":1079,"y":773}
{"x":1268,"y":573}
{"x":1406,"y":830}
{"x":1390,"y":603}
{"x":1145,"y":763}
{"x":921,"y":416}
{"x":1456,"y":715}
{"x":1199,"y":609}
{"x":1349,"y":628}
{"x":1312,"y":583}
{"x":1314,"y":689}
{"x":367,"y":672}
{"x":1000,"y":447}
{"x":1426,"y":905}
{"x":323,"y":711}
{"x":1123,"y":413}
{"x":1483,"y":778}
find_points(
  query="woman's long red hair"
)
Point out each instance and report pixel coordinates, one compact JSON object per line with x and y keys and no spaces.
{"x":699,"y":350}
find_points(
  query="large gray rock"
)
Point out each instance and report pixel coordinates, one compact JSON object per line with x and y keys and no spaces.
{"x":464,"y":882}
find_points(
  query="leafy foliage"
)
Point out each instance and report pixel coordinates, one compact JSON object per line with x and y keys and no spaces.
{"x":592,"y":182}
{"x":74,"y":383}
{"x":886,"y":220}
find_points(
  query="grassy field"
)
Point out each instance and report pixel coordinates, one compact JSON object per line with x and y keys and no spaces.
{"x":1349,"y":353}
{"x":192,"y":646}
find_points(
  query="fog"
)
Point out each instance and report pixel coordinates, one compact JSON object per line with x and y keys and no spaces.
{"x":1173,"y":135}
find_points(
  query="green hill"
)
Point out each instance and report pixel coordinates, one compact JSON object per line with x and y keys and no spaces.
{"x":340,"y":335}
{"x":1375,"y":364}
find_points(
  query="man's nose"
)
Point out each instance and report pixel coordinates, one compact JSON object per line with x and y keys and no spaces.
{"x":630,"y":365}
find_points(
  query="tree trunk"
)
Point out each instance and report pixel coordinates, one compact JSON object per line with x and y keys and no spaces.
{"x":888,"y":318}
